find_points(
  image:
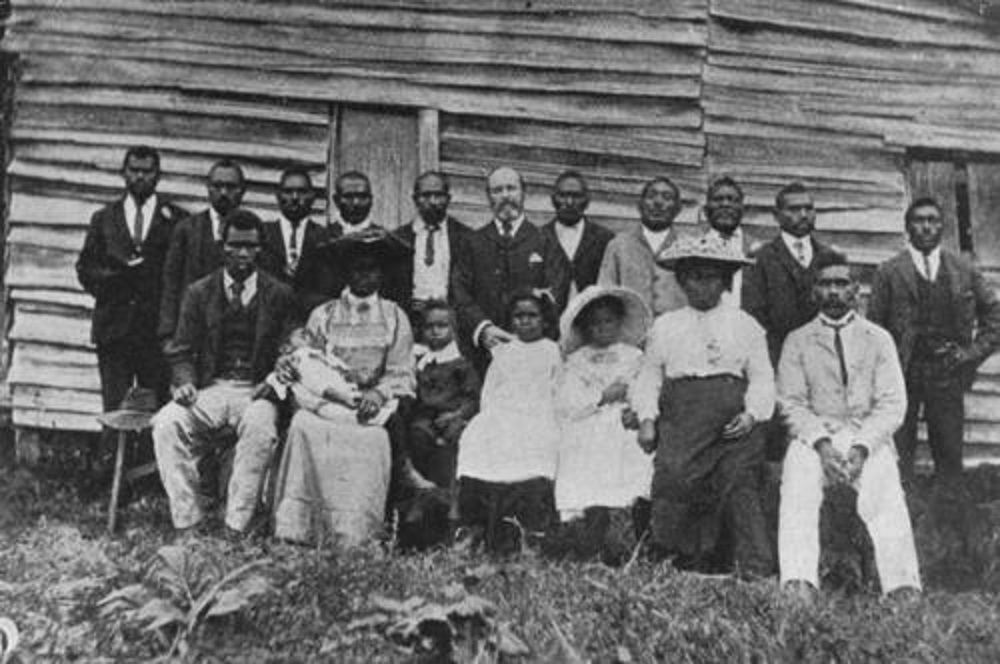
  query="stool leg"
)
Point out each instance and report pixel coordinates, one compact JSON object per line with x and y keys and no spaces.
{"x":116,"y":483}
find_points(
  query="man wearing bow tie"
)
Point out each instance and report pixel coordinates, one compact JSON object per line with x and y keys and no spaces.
{"x":292,"y":247}
{"x":230,"y":329}
{"x":120,"y":265}
{"x":946,"y":322}
{"x":841,"y":389}
{"x":507,"y":255}
{"x":437,"y":239}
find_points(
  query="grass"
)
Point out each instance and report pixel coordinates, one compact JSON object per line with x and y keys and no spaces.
{"x":375,"y":605}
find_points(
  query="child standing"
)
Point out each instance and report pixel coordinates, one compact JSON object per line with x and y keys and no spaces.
{"x":507,"y":454}
{"x":601,"y":467}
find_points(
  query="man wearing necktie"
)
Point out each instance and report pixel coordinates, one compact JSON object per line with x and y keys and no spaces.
{"x":841,"y":388}
{"x":196,"y":242}
{"x":231,"y":326}
{"x":945,"y":320}
{"x":120,"y":265}
{"x":582,"y":241}
{"x":292,"y":246}
{"x":437,"y":239}
{"x":507,"y":255}
{"x":778,"y":287}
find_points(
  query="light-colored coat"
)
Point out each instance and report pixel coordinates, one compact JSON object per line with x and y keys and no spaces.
{"x":815,"y":401}
{"x":629,"y":261}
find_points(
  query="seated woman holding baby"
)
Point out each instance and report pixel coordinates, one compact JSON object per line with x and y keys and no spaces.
{"x":351,"y":363}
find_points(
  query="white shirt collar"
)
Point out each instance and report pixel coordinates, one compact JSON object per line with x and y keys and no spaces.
{"x":249,"y":286}
{"x":933,"y":257}
{"x":420,"y":226}
{"x":148,"y":210}
{"x":286,"y":232}
{"x":807,"y":248}
{"x":357,"y":228}
{"x":656,"y":238}
{"x":514,"y":225}
{"x":447,"y":354}
{"x":569,"y":236}
{"x":216,"y":220}
{"x":843,"y":321}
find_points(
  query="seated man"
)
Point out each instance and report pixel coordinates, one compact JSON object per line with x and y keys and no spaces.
{"x":231,"y":326}
{"x":841,"y":387}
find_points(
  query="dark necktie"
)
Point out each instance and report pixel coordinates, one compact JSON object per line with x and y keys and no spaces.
{"x":429,"y":244}
{"x":838,"y":344}
{"x":508,"y":229}
{"x":138,"y":228}
{"x":237,"y":294}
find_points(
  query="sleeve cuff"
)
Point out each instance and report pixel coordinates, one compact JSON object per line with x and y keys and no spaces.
{"x":479,"y":330}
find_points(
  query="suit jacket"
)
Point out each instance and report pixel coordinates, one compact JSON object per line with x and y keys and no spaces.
{"x":126,"y":298}
{"x":490,"y":269}
{"x":893,"y":304}
{"x":629,"y":261}
{"x":812,"y":395}
{"x":457,"y":234}
{"x":194,"y":351}
{"x":585,"y":265}
{"x":304,"y":282}
{"x":194,"y":253}
{"x":778,"y":291}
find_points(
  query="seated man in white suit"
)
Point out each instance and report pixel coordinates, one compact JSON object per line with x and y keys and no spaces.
{"x":841,"y":388}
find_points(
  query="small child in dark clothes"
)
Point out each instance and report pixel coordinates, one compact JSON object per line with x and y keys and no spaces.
{"x":447,"y":398}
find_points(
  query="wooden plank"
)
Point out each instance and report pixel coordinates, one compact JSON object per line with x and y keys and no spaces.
{"x":28,"y":209}
{"x":30,"y":371}
{"x":53,"y":419}
{"x":59,"y":327}
{"x":37,"y":267}
{"x":984,"y":195}
{"x":46,"y":353}
{"x":48,"y":398}
{"x":82,"y":301}
{"x":578,"y":108}
{"x":429,"y":137}
{"x":47,"y":237}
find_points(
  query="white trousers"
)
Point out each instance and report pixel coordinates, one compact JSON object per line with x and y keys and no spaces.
{"x":181,"y":436}
{"x":881,"y":505}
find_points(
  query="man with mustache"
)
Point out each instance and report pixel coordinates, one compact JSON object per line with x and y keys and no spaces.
{"x":630,"y":258}
{"x":841,"y":389}
{"x":507,"y":255}
{"x":582,"y":241}
{"x":196,"y":243}
{"x":945,"y":320}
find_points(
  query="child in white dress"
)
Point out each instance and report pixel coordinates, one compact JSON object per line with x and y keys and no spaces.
{"x":507,"y":454}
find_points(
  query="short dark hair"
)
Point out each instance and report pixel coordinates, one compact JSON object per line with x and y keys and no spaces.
{"x":661,"y":178}
{"x":228,"y":164}
{"x":830,"y":259}
{"x":351,"y":175}
{"x":789,"y":189}
{"x":571,"y":175}
{"x":685,"y":266}
{"x":922,"y":201}
{"x":545,"y":304}
{"x":438,"y":304}
{"x":723,"y":181}
{"x":295,"y":171}
{"x":610,"y":302}
{"x":242,"y":220}
{"x":427,"y":174}
{"x":142,"y":152}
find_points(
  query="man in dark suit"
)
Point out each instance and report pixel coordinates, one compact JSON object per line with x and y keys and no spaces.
{"x":120,"y":265}
{"x":231,"y":326}
{"x":582,"y":241}
{"x":778,"y":287}
{"x":196,"y":243}
{"x":507,"y":255}
{"x":292,"y":246}
{"x":436,"y":238}
{"x":945,"y":321}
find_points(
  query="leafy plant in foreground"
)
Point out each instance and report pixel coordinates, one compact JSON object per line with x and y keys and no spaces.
{"x":183,"y":588}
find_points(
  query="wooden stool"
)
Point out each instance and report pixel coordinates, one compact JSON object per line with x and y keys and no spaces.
{"x":125,"y":422}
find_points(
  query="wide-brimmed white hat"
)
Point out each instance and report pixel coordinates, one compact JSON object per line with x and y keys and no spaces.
{"x":708,"y":247}
{"x":636,"y":323}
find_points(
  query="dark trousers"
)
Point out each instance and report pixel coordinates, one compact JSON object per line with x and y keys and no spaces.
{"x":941,"y":394}
{"x":133,"y":360}
{"x":503,"y":510}
{"x":706,"y":489}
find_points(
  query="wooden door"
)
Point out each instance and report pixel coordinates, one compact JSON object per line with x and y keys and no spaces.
{"x":382,"y":143}
{"x":984,"y":205}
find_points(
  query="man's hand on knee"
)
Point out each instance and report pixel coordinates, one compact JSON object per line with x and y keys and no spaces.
{"x":833,"y":462}
{"x":855,"y":462}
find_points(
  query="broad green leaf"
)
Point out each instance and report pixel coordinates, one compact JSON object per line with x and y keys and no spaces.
{"x":159,"y":612}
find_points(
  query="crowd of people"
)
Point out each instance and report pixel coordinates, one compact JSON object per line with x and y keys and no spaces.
{"x":499,"y":384}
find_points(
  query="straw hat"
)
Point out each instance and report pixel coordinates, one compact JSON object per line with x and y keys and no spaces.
{"x":707,"y":247}
{"x":133,"y":413}
{"x":384,"y":247}
{"x":636,"y":323}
